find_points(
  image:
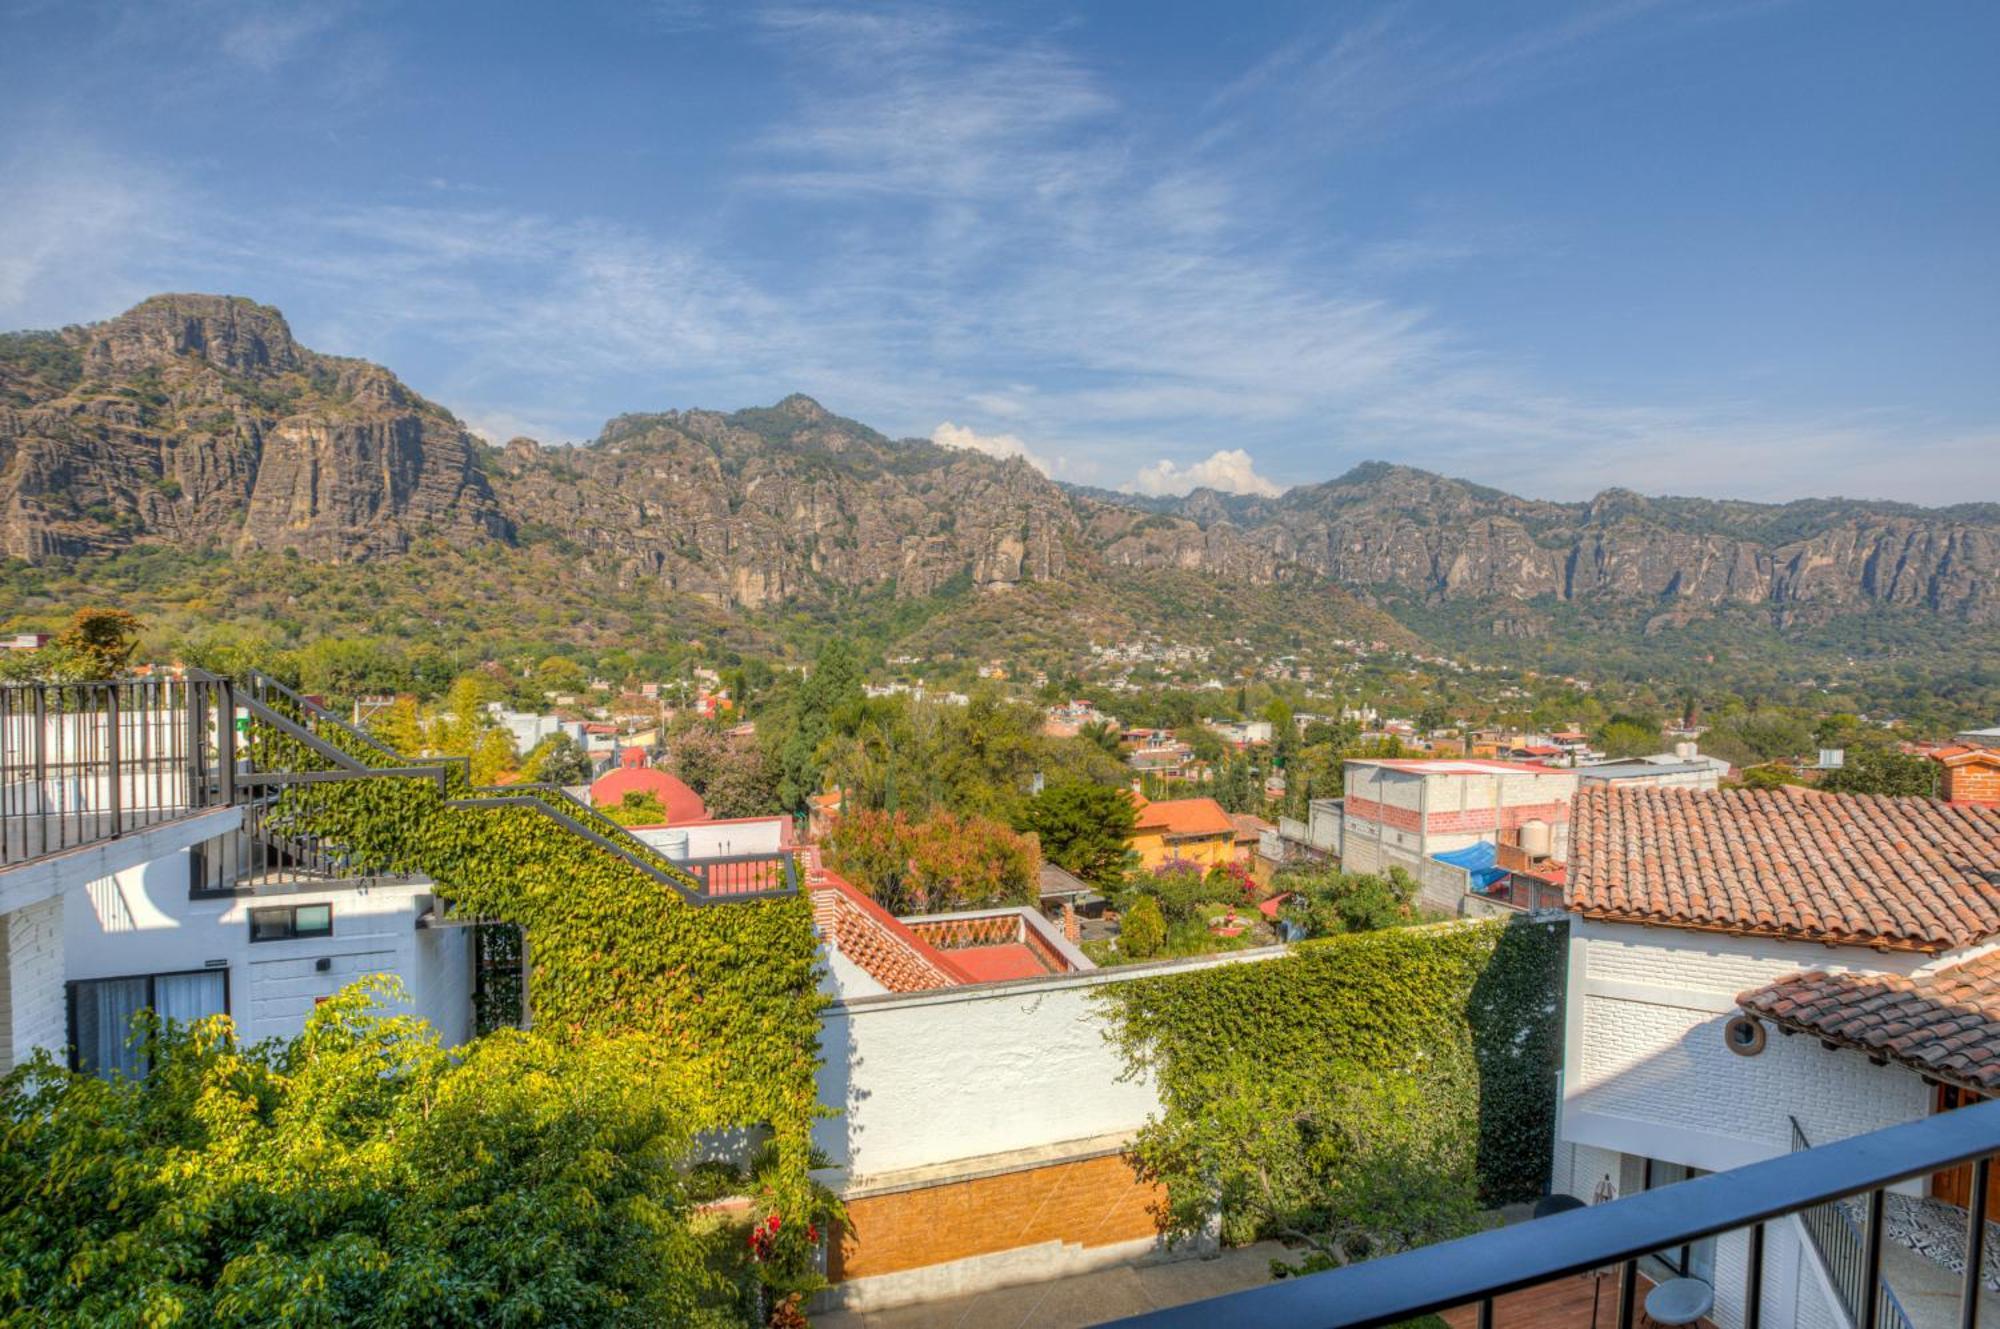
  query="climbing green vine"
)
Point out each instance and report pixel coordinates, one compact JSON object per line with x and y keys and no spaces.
{"x":726,"y":994}
{"x":1426,"y":1055}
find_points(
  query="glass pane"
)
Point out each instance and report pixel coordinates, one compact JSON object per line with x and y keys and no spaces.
{"x":270,"y":924}
{"x":104,"y":1011}
{"x":312,"y":920}
{"x":188,"y":997}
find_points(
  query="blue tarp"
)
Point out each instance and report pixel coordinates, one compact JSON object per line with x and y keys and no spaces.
{"x":1477,"y":859}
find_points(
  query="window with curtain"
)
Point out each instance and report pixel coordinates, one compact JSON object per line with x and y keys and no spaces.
{"x":101,"y":1011}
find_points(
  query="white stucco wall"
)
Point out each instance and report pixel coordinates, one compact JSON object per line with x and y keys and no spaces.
{"x":1646,"y":1070}
{"x":930,"y":1078}
{"x":142,"y":921}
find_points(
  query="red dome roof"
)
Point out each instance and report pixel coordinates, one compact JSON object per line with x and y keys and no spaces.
{"x":682,"y":803}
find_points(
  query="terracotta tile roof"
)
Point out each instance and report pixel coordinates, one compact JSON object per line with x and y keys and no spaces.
{"x":1249,"y":826}
{"x":876,"y":940}
{"x":1903,"y":873}
{"x":1945,"y":1024}
{"x":1184,"y":816}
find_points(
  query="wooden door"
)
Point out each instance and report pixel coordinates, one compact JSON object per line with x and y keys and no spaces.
{"x":1954,"y":1186}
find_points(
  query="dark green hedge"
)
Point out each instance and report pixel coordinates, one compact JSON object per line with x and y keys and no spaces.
{"x":1472,"y":1010}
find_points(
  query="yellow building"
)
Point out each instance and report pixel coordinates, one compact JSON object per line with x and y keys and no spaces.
{"x":1195,"y":830}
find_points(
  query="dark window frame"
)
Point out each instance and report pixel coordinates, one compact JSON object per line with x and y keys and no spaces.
{"x":70,"y":987}
{"x":291,"y":912}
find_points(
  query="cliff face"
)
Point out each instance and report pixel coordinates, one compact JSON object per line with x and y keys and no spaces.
{"x":1396,"y":528}
{"x":766,"y":505}
{"x":197,"y":421}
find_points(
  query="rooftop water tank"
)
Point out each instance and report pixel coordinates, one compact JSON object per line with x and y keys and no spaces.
{"x":1535,"y":842}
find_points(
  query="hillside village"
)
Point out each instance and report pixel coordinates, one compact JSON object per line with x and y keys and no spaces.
{"x":843,"y":665}
{"x":1707,"y":915}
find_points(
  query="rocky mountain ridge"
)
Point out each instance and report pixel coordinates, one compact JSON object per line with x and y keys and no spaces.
{"x":198,"y":422}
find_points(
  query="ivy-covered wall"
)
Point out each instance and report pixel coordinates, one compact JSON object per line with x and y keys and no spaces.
{"x":1469,"y":1014}
{"x":727,"y":994}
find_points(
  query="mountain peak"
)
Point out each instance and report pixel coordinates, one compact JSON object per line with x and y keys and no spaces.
{"x":803,"y":407}
{"x":227,"y":331}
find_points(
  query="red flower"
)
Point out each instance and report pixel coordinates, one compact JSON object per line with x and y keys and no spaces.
{"x":773,"y":1223}
{"x":812,"y":1234}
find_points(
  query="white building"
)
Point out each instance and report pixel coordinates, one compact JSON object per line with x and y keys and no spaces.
{"x":1707,"y":927}
{"x":1403,"y":813}
{"x":134,"y":883}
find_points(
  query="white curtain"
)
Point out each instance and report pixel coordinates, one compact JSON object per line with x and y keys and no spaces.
{"x":104,"y":1011}
{"x":105,"y":1007}
{"x":188,"y":997}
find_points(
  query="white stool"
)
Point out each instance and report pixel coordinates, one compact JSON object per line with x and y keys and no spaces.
{"x":1679,"y":1301}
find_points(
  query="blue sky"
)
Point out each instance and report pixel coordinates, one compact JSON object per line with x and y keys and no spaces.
{"x":1739,"y":249}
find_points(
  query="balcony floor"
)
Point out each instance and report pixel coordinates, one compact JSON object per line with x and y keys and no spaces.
{"x":1563,"y":1304}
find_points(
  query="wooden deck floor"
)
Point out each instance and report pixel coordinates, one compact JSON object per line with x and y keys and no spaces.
{"x":1563,"y":1304}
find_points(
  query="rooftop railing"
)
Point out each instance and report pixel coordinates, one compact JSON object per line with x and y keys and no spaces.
{"x":1475,"y":1271}
{"x":82,"y":763}
{"x":86,"y":762}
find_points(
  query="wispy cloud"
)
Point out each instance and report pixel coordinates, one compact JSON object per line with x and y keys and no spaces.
{"x":974,"y":227}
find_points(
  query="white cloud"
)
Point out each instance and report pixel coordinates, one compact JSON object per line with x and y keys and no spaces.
{"x":949,"y":435}
{"x":1227,"y":469}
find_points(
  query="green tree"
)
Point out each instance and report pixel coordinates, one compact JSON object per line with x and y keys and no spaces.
{"x":1085,"y":829}
{"x":833,"y":686}
{"x":1327,"y":901}
{"x":558,"y":760}
{"x":1142,"y":929}
{"x":1345,"y":1167}
{"x":355,"y":1175}
{"x":639,"y":807}
{"x":101,"y":639}
{"x":1624,"y":736}
{"x":1875,"y":769}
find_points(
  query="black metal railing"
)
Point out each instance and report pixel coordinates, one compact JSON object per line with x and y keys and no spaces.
{"x":1476,"y":1271}
{"x":739,"y":875}
{"x":86,"y":762}
{"x":1844,"y":1248}
{"x":355,"y":750}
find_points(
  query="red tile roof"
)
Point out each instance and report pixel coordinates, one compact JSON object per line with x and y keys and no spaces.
{"x":1249,"y":827}
{"x":682,"y":803}
{"x":1184,"y":816}
{"x":1900,"y":873}
{"x":1945,"y":1024}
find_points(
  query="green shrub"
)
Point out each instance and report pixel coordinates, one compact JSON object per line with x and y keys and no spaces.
{"x":1142,"y":929}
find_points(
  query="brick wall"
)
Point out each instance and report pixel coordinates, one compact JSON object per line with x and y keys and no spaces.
{"x":33,"y":1012}
{"x":1090,"y":1202}
{"x":1977,"y":780}
{"x":1646,"y":1049}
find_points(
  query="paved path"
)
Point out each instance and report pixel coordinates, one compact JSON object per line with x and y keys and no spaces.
{"x":1085,"y":1299}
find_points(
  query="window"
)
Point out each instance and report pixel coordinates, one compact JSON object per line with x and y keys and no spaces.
{"x":101,"y":1011}
{"x":291,"y":922}
{"x":1693,"y":1259}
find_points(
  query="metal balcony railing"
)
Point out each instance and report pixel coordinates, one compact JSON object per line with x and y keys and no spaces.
{"x":1845,"y":1249}
{"x":85,"y":762}
{"x":1475,"y":1271}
